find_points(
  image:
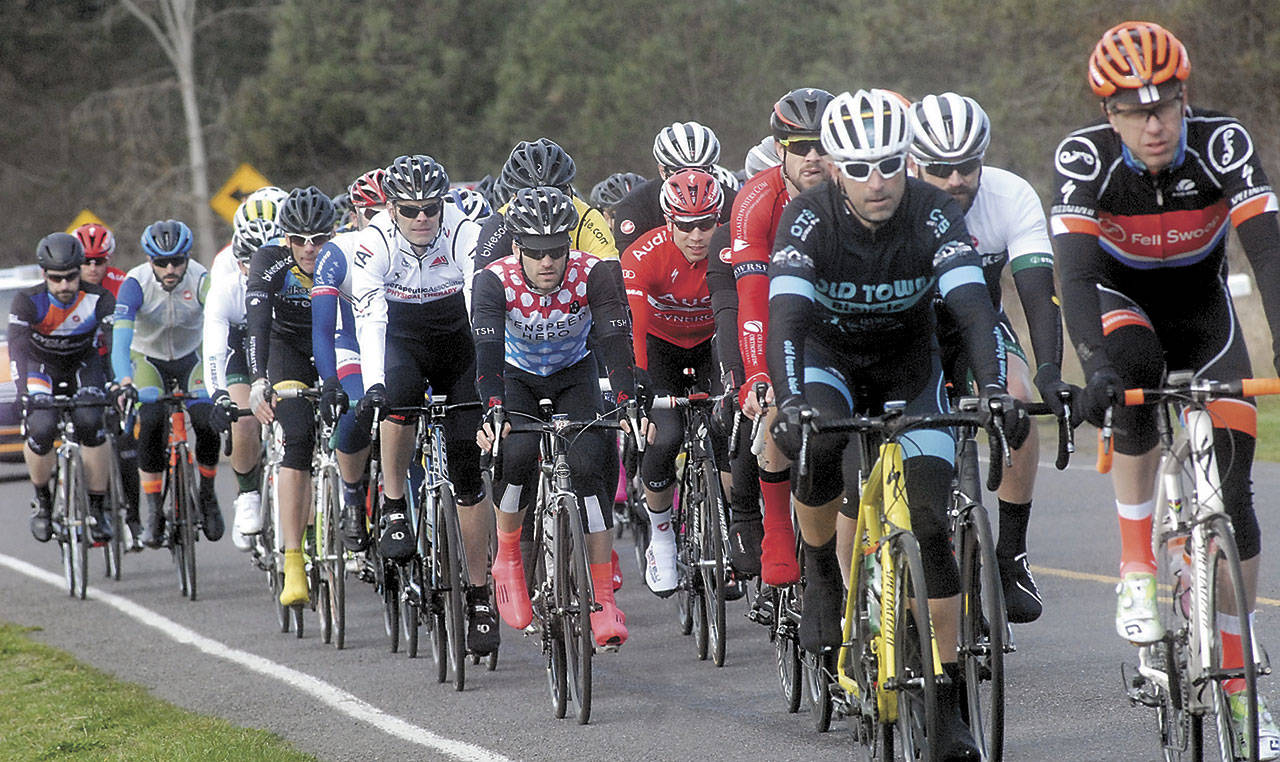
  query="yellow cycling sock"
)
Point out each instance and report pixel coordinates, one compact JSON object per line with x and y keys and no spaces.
{"x":295,"y":579}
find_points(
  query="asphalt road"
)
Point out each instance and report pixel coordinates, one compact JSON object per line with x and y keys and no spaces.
{"x":653,"y":699}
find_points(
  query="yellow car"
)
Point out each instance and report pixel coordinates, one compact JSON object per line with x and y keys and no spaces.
{"x":12,"y":279}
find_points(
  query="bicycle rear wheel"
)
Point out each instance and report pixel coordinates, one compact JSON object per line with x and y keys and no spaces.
{"x":390,"y":589}
{"x":818,"y":669}
{"x":787,"y":647}
{"x":982,"y":630}
{"x":713,"y":566}
{"x":1226,"y":589}
{"x":453,"y":574}
{"x":913,"y":678}
{"x":578,"y":600}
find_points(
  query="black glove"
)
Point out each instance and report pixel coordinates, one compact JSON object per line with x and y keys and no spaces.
{"x":124,"y":396}
{"x":1014,"y":420}
{"x":644,"y":388}
{"x":221,"y":410}
{"x":724,"y":411}
{"x":333,"y":400}
{"x":374,"y":399}
{"x":1105,"y":388}
{"x":787,"y":425}
{"x":1049,"y":382}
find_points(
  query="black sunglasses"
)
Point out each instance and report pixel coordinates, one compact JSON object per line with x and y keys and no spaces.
{"x":96,"y":261}
{"x":802,"y":146}
{"x":166,"y":262}
{"x":410,"y":212}
{"x":940,"y":169}
{"x":560,"y":252}
{"x":706,"y":223}
{"x":61,"y":277}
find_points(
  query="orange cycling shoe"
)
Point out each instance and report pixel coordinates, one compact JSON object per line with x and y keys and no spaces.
{"x":608,"y":624}
{"x":509,"y":588}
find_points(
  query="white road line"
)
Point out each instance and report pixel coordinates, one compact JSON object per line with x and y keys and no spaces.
{"x":326,"y":693}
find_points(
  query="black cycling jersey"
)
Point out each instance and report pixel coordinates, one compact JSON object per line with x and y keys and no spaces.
{"x":641,"y":211}
{"x":868,"y":294}
{"x":724,"y":306}
{"x":277,"y":305}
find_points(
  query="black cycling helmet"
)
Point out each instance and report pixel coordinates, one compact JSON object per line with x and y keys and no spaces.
{"x":500,"y":193}
{"x":415,"y":178}
{"x":59,"y":251}
{"x":541,"y":217}
{"x":305,"y":211}
{"x":799,"y":112}
{"x":541,"y":162}
{"x":613,"y":189}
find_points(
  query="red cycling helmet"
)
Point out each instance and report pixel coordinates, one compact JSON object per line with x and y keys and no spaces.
{"x":367,"y":189}
{"x":691,"y":194}
{"x":98,"y":241}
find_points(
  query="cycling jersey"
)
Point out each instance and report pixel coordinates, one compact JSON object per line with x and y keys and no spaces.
{"x":1160,"y":240}
{"x":113,"y":279}
{"x":333,"y":328}
{"x":752,"y":226}
{"x":668,"y":294}
{"x":591,"y":236}
{"x":868,"y":294}
{"x":277,"y":307}
{"x":44,"y":333}
{"x":543,"y":334}
{"x":399,"y":291}
{"x":156,"y":323}
{"x":724,"y":307}
{"x":640,"y":211}
{"x":224,"y":315}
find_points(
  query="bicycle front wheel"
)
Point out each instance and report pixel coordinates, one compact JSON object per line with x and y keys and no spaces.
{"x":982,"y":630}
{"x":1226,"y":591}
{"x":114,"y":549}
{"x":71,"y":493}
{"x":571,"y":560}
{"x":187,"y":522}
{"x":713,"y":565}
{"x":546,"y":585}
{"x":453,"y":575}
{"x":913,"y":678}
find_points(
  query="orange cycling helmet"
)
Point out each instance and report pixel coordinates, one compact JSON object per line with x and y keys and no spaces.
{"x":1136,"y":54}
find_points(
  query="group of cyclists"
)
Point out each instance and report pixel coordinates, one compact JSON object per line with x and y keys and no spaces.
{"x":857,"y":260}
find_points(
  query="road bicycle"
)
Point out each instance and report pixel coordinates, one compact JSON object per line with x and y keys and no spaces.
{"x":700,"y":518}
{"x":887,"y":669}
{"x":1198,"y":566}
{"x":179,"y":492}
{"x":268,"y":548}
{"x":563,"y":597}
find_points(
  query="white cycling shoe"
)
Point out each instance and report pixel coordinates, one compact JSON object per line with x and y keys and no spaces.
{"x":243,"y":543}
{"x":1268,"y":733}
{"x":660,"y":569}
{"x":1137,"y":618}
{"x":248,"y":507}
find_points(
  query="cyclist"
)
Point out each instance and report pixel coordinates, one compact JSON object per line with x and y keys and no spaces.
{"x":531,"y":314}
{"x":762,"y":156}
{"x":536,"y":163}
{"x":683,"y":145}
{"x":795,"y":123}
{"x":226,"y":365}
{"x":851,"y":326}
{"x":278,"y":318}
{"x":609,"y":191}
{"x":99,"y":246}
{"x":337,"y":355}
{"x":346,"y":211}
{"x":1145,"y":196}
{"x":55,"y":328}
{"x":155,"y":347}
{"x":665,"y":273}
{"x":1006,"y":222}
{"x":472,"y":203}
{"x":411,"y":284}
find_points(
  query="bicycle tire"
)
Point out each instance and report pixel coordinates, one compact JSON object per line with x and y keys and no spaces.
{"x":714,"y":570}
{"x":173,"y":538}
{"x":59,"y":522}
{"x":297,"y":619}
{"x":336,"y":564}
{"x":187,"y":523}
{"x":786,"y":647}
{"x":686,"y":596}
{"x":546,"y":586}
{"x":411,"y":616}
{"x":390,"y":589}
{"x":454,"y":575}
{"x":1181,"y":730}
{"x":1224,"y":554}
{"x":913,"y":670}
{"x":982,"y":630}
{"x":325,"y":612}
{"x":77,"y":502}
{"x":114,"y":549}
{"x":817,"y":680}
{"x":579,"y":642}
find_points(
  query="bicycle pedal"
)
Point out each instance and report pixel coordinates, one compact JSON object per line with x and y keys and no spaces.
{"x":1139,"y":689}
{"x":610,"y":648}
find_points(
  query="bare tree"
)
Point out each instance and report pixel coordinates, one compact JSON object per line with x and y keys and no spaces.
{"x":172,"y":23}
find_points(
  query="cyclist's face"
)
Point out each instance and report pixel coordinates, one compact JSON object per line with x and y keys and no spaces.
{"x":875,"y":199}
{"x":305,"y":253}
{"x":546,"y":273}
{"x":62,"y":284}
{"x":94,"y":270}
{"x":171,"y":273}
{"x":1151,"y":132}
{"x":803,"y":171}
{"x":419,"y":229}
{"x":694,"y":243}
{"x":961,"y":186}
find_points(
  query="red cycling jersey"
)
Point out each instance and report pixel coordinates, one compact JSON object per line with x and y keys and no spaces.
{"x":754,"y":221}
{"x":112,"y":280}
{"x":668,"y":294}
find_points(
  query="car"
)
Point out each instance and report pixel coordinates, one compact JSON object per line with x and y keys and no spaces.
{"x":12,"y":279}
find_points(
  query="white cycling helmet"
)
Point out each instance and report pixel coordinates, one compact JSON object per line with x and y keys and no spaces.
{"x":761,"y":157}
{"x":728,"y":180}
{"x":866,"y":126}
{"x":686,"y":145}
{"x":948,"y":128}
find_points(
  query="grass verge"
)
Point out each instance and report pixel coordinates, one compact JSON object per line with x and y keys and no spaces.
{"x":1268,"y":429}
{"x":58,"y":708}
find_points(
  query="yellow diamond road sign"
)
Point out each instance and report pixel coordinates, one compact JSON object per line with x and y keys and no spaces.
{"x":84,"y":218}
{"x":243,"y":181}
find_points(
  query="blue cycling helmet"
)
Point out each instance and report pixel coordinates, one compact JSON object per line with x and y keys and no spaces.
{"x":167,"y":238}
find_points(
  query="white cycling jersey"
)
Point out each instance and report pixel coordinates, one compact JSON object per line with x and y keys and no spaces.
{"x":391,"y":282}
{"x":1006,"y":219}
{"x":166,"y":325}
{"x":223,"y":310}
